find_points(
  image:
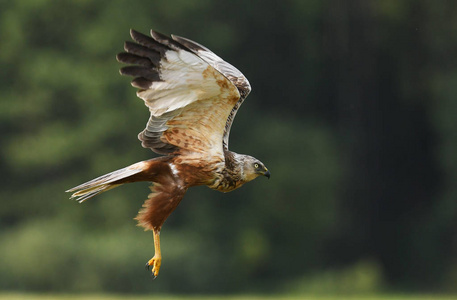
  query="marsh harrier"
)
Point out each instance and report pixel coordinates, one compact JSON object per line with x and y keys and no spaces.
{"x":193,"y":96}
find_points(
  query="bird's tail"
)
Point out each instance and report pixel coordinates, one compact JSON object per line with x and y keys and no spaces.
{"x":106,"y":182}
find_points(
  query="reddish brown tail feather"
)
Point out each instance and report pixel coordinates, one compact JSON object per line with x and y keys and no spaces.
{"x":141,"y":171}
{"x":167,"y":190}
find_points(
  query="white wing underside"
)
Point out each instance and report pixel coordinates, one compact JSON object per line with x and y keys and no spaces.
{"x":182,"y":83}
{"x":191,"y":93}
{"x":188,"y":82}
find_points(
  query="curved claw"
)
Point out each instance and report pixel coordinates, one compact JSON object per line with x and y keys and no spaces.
{"x":154,"y":263}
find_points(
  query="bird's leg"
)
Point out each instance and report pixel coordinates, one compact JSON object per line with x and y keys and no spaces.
{"x":156,"y":261}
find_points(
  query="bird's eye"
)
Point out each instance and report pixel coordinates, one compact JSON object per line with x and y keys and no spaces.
{"x":256,"y":166}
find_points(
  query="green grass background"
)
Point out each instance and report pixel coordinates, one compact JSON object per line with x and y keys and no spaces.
{"x":240,"y":297}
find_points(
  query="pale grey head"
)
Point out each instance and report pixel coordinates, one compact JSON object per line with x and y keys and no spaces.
{"x":250,"y":167}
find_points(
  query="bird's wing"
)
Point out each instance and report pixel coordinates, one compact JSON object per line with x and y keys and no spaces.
{"x":226,"y":69}
{"x":189,"y":100}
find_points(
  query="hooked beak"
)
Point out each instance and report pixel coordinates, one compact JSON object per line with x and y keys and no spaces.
{"x":267,"y":174}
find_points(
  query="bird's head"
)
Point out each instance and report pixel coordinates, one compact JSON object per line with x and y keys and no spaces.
{"x":253,"y":168}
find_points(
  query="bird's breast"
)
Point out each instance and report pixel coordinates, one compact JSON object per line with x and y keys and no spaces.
{"x":197,"y":171}
{"x":226,"y":180}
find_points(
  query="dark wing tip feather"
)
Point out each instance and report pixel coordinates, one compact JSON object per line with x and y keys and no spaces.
{"x":143,"y":51}
{"x":128,"y":58}
{"x":148,"y":42}
{"x":166,"y":40}
{"x":140,"y":71}
{"x":141,"y":38}
{"x":194,"y":46}
{"x":141,"y":83}
{"x":136,"y":35}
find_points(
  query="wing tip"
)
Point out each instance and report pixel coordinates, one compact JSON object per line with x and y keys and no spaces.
{"x":157,"y":35}
{"x":132,"y":32}
{"x":141,"y":83}
{"x":166,"y":40}
{"x":119,"y":57}
{"x":192,"y":45}
{"x":138,"y":36}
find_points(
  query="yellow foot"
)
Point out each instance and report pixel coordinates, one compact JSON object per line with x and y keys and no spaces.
{"x":155,"y":262}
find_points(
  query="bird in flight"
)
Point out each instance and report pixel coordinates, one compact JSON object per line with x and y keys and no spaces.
{"x":193,"y":96}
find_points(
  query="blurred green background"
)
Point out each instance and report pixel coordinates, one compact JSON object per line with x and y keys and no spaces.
{"x":353,"y":110}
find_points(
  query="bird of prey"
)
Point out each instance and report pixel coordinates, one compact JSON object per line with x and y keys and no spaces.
{"x":193,"y":96}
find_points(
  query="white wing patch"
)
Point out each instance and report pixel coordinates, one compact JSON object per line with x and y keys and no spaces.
{"x":173,"y":169}
{"x":183,"y":82}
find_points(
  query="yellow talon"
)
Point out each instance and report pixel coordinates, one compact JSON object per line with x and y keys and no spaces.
{"x":156,"y":261}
